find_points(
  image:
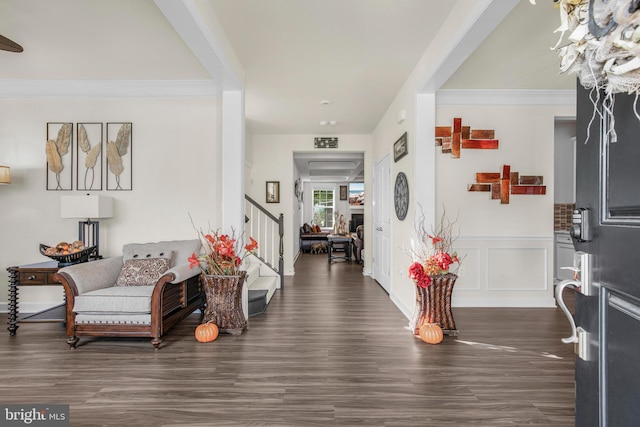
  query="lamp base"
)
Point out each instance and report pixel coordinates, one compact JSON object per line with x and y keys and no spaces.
{"x":89,"y":234}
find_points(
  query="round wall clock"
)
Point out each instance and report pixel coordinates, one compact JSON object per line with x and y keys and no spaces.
{"x":401,"y":196}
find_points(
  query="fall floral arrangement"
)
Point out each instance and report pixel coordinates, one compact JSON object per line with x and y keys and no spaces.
{"x":432,"y":252}
{"x":223,"y":254}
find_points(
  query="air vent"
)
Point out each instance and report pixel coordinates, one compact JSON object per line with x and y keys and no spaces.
{"x":325,"y":142}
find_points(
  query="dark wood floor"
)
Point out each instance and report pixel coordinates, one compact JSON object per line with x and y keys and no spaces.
{"x":332,"y":349}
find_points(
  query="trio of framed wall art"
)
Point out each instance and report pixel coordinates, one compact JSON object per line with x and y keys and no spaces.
{"x":86,"y":162}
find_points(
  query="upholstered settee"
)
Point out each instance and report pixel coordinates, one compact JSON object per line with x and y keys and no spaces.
{"x":358,"y":243}
{"x":142,"y":293}
{"x":310,"y":234}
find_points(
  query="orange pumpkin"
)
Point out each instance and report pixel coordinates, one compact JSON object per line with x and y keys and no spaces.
{"x":207,"y":332}
{"x":431,"y":333}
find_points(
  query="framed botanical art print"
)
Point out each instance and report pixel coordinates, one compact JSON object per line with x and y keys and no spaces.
{"x":59,"y":151}
{"x":89,"y":156}
{"x":119,"y":157}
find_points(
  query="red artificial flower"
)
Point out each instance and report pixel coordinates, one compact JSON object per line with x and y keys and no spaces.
{"x":425,"y":281}
{"x":193,"y":261}
{"x":252,"y":245}
{"x":435,"y":239}
{"x":444,"y":260}
{"x":416,"y":271}
{"x":417,"y":274}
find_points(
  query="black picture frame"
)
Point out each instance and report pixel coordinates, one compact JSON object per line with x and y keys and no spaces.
{"x":273,"y":192}
{"x":343,"y":192}
{"x":400,"y":148}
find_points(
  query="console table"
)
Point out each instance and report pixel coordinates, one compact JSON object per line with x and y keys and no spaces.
{"x":39,"y":274}
{"x":342,"y":240}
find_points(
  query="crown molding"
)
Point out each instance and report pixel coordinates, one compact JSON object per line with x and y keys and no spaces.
{"x":505,"y":97}
{"x":18,"y":88}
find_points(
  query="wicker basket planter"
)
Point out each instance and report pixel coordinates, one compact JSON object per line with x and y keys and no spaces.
{"x":224,"y":302}
{"x":433,"y":305}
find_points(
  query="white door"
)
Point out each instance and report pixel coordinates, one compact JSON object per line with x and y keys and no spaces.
{"x":382,"y":223}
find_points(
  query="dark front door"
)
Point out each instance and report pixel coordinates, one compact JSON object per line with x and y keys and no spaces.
{"x":608,"y":189}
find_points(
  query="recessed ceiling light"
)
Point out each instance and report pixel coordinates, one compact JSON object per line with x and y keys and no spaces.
{"x":324,"y":123}
{"x":333,"y":123}
{"x":325,"y":102}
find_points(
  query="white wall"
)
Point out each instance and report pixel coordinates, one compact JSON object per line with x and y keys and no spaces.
{"x":176,"y":156}
{"x":564,"y":161}
{"x":276,"y":164}
{"x":508,"y":248}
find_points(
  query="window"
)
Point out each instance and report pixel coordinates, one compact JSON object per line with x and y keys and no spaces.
{"x":323,"y":208}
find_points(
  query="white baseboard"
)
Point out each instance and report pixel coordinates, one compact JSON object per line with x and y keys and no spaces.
{"x":29,"y":307}
{"x":509,"y":302}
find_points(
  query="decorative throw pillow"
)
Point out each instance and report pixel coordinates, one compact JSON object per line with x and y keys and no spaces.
{"x":316,"y":228}
{"x":306,"y":228}
{"x":143,"y":271}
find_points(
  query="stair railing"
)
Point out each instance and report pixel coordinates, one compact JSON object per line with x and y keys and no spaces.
{"x":268,"y":230}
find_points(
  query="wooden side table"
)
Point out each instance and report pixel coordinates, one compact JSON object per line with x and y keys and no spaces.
{"x":39,"y":274}
{"x":343,"y":240}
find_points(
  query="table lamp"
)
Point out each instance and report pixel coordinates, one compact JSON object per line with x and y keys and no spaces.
{"x":89,"y":207}
{"x":5,"y":175}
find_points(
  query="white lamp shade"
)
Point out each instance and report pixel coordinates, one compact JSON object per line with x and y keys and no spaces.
{"x":5,"y":175}
{"x":88,"y":206}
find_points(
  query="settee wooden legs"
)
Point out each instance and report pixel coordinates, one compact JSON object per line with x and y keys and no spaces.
{"x":156,"y":343}
{"x":72,"y":341}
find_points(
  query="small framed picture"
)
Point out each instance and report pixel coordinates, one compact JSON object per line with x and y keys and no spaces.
{"x":343,"y":192}
{"x":400,"y":148}
{"x":273,"y":191}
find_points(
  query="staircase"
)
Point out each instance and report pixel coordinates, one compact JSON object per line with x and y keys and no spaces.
{"x":265,"y":268}
{"x":262,"y":283}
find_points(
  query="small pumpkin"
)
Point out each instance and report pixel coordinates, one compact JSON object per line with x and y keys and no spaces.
{"x":207,"y":332}
{"x":431,"y":333}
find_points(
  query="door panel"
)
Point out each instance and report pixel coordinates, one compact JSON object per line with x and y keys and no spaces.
{"x":607,"y":184}
{"x":382,"y":223}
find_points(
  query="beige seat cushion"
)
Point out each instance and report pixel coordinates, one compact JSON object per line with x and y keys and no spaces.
{"x":116,"y":299}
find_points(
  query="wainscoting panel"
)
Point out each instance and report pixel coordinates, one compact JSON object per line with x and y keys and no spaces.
{"x":469,"y":271}
{"x":523,"y":269}
{"x":505,"y":272}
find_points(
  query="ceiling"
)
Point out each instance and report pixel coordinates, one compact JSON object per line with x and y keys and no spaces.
{"x":293,"y":54}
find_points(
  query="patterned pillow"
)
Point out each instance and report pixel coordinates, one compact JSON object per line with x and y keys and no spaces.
{"x":143,"y":271}
{"x":306,"y":228}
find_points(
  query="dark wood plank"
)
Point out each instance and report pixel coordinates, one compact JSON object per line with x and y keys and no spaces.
{"x":531,"y":180}
{"x":455,"y":145}
{"x":479,"y":187}
{"x":443,"y":131}
{"x":481,"y":144}
{"x":496,"y":191}
{"x":483,"y":134}
{"x":331,"y":350}
{"x":487,"y":177}
{"x":529,"y":189}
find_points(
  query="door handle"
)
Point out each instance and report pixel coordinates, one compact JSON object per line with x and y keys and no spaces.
{"x":559,"y":289}
{"x":378,"y":228}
